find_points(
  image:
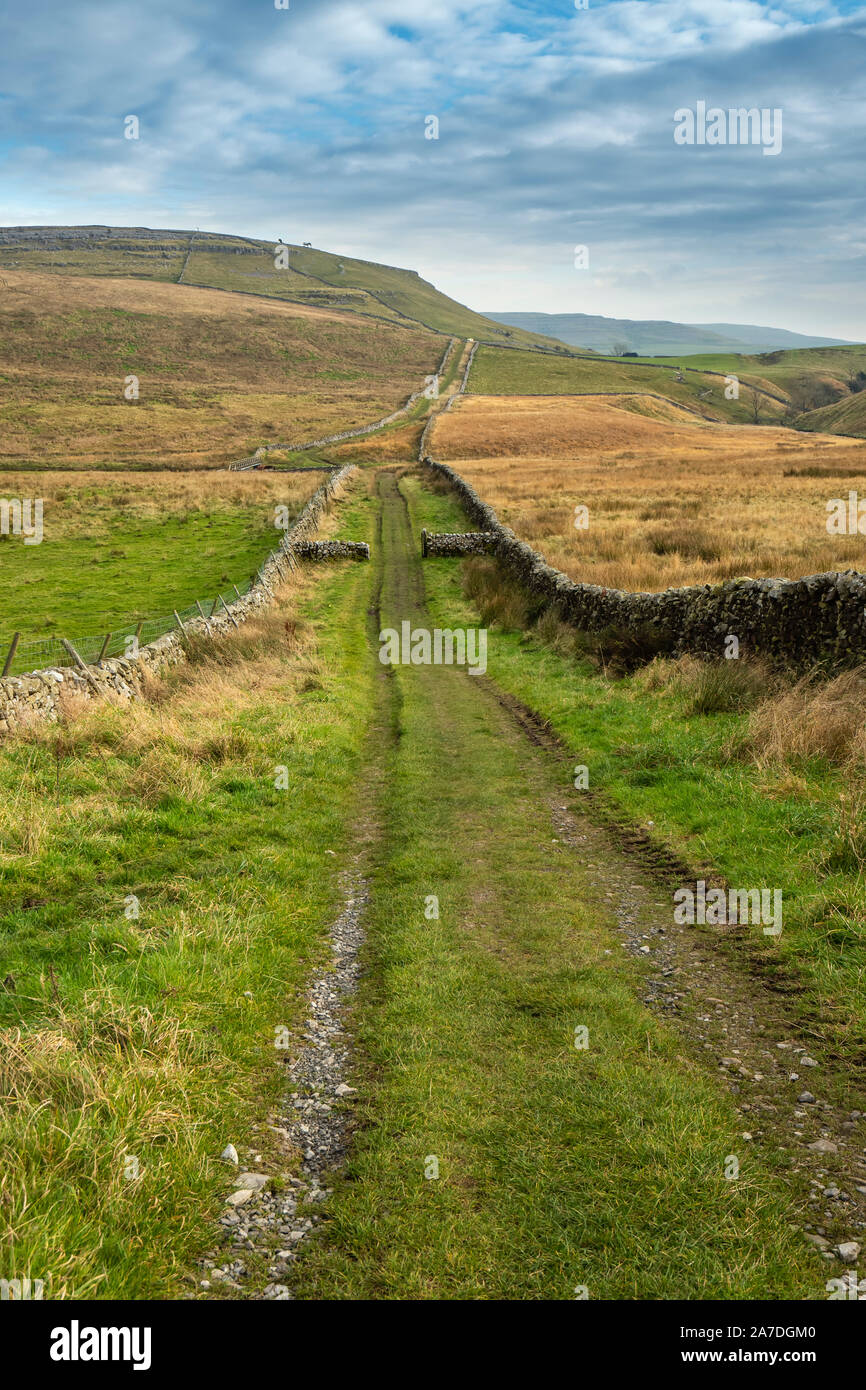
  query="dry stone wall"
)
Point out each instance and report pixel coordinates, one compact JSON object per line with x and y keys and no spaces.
{"x":255,"y":459}
{"x":462,"y":543}
{"x":798,"y":623}
{"x":332,"y":550}
{"x":41,"y":694}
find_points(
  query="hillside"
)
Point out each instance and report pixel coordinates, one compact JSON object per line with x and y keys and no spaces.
{"x":815,"y":388}
{"x":651,"y":337}
{"x":523,"y":373}
{"x":313,"y":277}
{"x":828,"y":380}
{"x":837,"y":366}
{"x":847,"y":416}
{"x":218,"y":374}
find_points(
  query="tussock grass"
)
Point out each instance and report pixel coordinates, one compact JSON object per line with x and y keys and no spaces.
{"x":218,"y":373}
{"x":671,"y":503}
{"x":149,"y":1036}
{"x":813,"y":719}
{"x":708,"y":687}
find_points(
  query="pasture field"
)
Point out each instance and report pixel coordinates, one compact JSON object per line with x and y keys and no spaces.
{"x":119,"y":549}
{"x":671,"y":501}
{"x":218,"y":373}
{"x":824,"y":386}
{"x":497,"y":372}
{"x":784,"y":369}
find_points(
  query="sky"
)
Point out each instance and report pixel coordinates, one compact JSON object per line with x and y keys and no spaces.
{"x":556,"y":130}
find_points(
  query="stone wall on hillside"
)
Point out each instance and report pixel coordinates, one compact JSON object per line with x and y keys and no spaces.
{"x":251,"y":462}
{"x":791,"y":622}
{"x":40,"y":694}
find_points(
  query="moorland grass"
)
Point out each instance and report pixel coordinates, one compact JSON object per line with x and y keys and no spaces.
{"x":163,"y":904}
{"x":218,"y":374}
{"x":669,"y":502}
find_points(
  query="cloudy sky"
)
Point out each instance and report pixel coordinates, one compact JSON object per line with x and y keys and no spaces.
{"x":555,"y":130}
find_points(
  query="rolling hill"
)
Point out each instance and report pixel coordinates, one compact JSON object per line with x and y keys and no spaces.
{"x":216,"y":374}
{"x":212,"y":260}
{"x":812,"y":389}
{"x":653,"y":337}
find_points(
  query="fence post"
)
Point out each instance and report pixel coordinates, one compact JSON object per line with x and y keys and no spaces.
{"x":13,"y":647}
{"x":237,"y":590}
{"x":82,"y":666}
{"x":228,"y":610}
{"x":204,"y":615}
{"x":104,"y":648}
{"x":179,"y":623}
{"x":215,"y":602}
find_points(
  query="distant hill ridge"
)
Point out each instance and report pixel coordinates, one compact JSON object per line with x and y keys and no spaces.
{"x":660,"y":337}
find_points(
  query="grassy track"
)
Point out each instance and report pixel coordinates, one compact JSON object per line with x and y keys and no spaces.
{"x":558,"y":1167}
{"x":657,"y":761}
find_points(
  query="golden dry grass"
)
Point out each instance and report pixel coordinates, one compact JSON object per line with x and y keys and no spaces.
{"x":671,"y":501}
{"x":218,"y":373}
{"x":60,"y":294}
{"x":75,"y":501}
{"x":813,"y":719}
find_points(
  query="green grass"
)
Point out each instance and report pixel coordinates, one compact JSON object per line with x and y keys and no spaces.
{"x":655,"y":760}
{"x":128,"y":571}
{"x":557,"y":1168}
{"x":782,"y":367}
{"x":495,"y":372}
{"x":847,"y":416}
{"x":134,"y":1037}
{"x":109,"y":559}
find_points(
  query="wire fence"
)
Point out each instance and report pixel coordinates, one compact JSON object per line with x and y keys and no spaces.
{"x":43,"y":653}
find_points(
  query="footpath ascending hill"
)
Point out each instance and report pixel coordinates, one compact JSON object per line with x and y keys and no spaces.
{"x":310,"y":276}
